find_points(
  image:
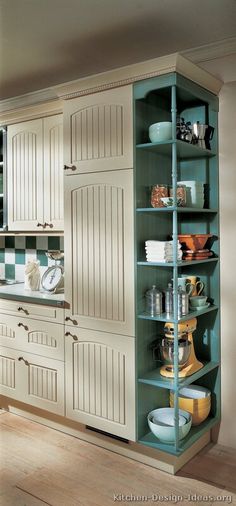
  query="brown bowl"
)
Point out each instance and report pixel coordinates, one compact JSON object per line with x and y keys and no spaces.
{"x":193,"y":242}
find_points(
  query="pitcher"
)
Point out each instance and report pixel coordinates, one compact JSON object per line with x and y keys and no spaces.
{"x":197,"y":284}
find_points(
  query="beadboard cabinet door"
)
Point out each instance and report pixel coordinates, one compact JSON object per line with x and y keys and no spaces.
{"x":35,"y":175}
{"x":100,"y":380}
{"x":35,"y":380}
{"x":99,"y":131}
{"x":99,"y":257}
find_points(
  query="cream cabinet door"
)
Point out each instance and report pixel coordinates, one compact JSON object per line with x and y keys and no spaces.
{"x":99,"y":258}
{"x":100,"y":380}
{"x":53,"y":189}
{"x":35,"y":380}
{"x":25,"y":175}
{"x":99,"y":131}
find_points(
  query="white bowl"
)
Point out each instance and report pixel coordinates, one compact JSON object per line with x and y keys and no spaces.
{"x":159,"y":132}
{"x":164,"y":432}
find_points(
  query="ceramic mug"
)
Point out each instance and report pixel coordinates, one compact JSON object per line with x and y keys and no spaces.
{"x":186,"y":285}
{"x":197,"y":284}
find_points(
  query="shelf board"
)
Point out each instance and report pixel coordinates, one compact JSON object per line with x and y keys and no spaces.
{"x":184,"y":150}
{"x":173,"y":208}
{"x":195,"y":433}
{"x":182,"y":263}
{"x":1,"y":195}
{"x":164,"y":318}
{"x":155,"y":379}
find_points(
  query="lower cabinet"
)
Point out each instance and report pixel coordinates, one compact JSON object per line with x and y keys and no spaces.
{"x":100,"y":380}
{"x":32,"y":379}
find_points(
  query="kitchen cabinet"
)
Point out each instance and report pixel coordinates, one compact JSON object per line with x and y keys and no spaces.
{"x":35,"y":175}
{"x":32,"y":355}
{"x":99,"y":281}
{"x":98,"y":132}
{"x":168,"y":162}
{"x":100,"y":390}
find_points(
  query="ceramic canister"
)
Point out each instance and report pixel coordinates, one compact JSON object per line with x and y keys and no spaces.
{"x":197,"y":283}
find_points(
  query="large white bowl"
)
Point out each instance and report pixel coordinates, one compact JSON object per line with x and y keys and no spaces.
{"x":159,"y":132}
{"x":165,"y":432}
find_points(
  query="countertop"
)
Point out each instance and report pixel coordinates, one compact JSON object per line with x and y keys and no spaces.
{"x":17,"y":292}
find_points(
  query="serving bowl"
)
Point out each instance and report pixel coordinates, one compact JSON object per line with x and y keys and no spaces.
{"x":196,"y":400}
{"x":159,"y":132}
{"x":194,"y":242}
{"x":166,"y":432}
{"x":198,"y":300}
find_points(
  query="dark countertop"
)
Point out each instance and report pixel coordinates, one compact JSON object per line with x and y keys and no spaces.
{"x":17,"y":292}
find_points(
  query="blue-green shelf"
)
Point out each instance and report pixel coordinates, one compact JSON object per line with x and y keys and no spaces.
{"x":184,"y":150}
{"x":164,"y":318}
{"x":173,"y":208}
{"x":155,"y":379}
{"x":183,"y":263}
{"x":195,"y":433}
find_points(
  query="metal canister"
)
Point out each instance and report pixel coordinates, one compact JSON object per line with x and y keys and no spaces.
{"x":183,"y":302}
{"x":169,"y":302}
{"x":153,"y":301}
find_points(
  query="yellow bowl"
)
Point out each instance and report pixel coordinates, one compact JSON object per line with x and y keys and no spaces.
{"x":195,"y":403}
{"x":199,"y":412}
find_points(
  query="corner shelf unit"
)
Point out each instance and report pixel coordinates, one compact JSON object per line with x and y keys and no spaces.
{"x":162,"y":99}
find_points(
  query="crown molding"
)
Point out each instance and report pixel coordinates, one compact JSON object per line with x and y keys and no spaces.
{"x":211,"y":51}
{"x":27,"y":113}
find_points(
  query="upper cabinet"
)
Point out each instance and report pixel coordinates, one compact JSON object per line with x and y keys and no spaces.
{"x":35,"y":175}
{"x":98,"y":132}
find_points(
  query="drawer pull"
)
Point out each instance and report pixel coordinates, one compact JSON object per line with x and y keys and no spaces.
{"x":25,"y":361}
{"x":72,"y":335}
{"x":68,"y":319}
{"x":41,"y":225}
{"x":69,"y":167}
{"x":22,"y":309}
{"x":50,"y":225}
{"x":22,"y":325}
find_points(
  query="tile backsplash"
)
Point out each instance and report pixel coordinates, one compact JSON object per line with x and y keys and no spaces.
{"x":16,"y":251}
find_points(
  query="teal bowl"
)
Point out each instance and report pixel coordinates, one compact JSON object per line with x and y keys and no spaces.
{"x":160,"y":132}
{"x":166,"y":432}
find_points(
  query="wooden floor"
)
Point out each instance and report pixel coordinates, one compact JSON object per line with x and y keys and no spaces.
{"x":43,"y":466}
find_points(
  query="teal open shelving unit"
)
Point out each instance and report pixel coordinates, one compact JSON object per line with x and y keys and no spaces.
{"x":162,"y":99}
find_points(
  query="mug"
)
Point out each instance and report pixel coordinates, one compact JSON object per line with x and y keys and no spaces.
{"x":197,"y":284}
{"x":186,"y":286}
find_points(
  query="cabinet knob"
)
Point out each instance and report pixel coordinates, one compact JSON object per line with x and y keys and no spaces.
{"x":50,"y":225}
{"x":69,"y":167}
{"x":41,"y":225}
{"x":68,"y":319}
{"x":25,"y":361}
{"x":22,"y":325}
{"x":22,"y":309}
{"x":72,"y":335}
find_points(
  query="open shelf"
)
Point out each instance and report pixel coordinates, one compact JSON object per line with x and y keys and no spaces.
{"x":184,"y":150}
{"x":182,"y":263}
{"x":155,"y":379}
{"x":195,"y":433}
{"x":164,"y":318}
{"x":171,"y":209}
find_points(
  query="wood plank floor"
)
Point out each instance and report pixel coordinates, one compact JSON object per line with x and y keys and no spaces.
{"x":42,"y":466}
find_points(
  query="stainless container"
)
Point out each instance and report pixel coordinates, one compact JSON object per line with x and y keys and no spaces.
{"x":169,"y":301}
{"x":183,"y":302}
{"x":167,"y":352}
{"x":153,"y":301}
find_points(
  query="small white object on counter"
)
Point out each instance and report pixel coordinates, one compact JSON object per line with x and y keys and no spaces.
{"x":32,"y":275}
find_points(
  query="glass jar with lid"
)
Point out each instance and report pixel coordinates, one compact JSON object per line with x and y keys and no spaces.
{"x":158,"y":191}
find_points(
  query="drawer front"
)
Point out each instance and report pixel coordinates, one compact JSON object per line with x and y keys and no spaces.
{"x":36,"y":311}
{"x":32,"y":336}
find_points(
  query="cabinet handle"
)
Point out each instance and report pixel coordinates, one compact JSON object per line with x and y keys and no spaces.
{"x":22,"y":325}
{"x":25,"y":361}
{"x":22,"y":309}
{"x":68,"y":319}
{"x":72,"y":335}
{"x":50,"y":225}
{"x":41,"y":225}
{"x":69,"y":167}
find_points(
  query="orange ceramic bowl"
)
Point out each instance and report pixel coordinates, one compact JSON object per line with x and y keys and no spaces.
{"x":193,"y":242}
{"x":198,"y":411}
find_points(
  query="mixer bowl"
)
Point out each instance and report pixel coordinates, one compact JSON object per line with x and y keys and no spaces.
{"x":167,"y":352}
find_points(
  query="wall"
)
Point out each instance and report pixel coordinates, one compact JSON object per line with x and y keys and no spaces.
{"x":16,"y":251}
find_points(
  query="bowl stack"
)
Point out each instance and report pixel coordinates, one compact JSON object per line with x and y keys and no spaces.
{"x":194,"y":193}
{"x":162,"y":424}
{"x":196,"y":400}
{"x":193,"y":246}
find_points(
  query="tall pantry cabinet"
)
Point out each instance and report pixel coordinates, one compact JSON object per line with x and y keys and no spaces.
{"x":99,"y":261}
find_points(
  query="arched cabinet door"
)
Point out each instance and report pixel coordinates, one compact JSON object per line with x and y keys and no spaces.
{"x":100,"y":380}
{"x":99,"y":131}
{"x":99,"y":258}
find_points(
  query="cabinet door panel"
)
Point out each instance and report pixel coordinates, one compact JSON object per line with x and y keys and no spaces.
{"x":25,"y":175}
{"x":99,"y":253}
{"x":98,"y":131}
{"x":53,"y":189}
{"x":100,"y":381}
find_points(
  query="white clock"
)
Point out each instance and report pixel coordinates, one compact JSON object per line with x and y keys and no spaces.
{"x":53,"y":279}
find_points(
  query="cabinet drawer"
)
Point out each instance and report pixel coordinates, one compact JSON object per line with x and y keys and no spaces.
{"x":35,"y":380}
{"x":32,"y":336}
{"x":37,"y":311}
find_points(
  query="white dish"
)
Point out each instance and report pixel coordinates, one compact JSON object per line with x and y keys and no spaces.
{"x":194,"y":392}
{"x":199,"y":308}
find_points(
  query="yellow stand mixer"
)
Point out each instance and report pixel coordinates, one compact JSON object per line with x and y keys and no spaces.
{"x":187,"y":361}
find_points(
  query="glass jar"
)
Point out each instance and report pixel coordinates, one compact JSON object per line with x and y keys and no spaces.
{"x":158,"y":191}
{"x":181,"y":195}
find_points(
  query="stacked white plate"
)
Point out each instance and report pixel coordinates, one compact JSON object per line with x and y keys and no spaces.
{"x":194,"y":193}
